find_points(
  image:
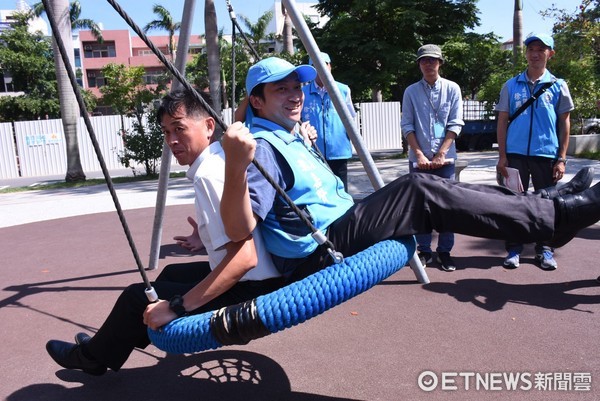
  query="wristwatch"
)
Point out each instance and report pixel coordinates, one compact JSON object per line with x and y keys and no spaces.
{"x":176,"y":305}
{"x":562,"y":159}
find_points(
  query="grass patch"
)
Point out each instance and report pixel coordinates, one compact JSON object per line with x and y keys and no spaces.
{"x":590,"y":155}
{"x":87,"y":183}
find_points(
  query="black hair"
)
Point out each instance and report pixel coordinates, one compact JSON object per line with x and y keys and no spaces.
{"x":171,"y":103}
{"x":258,"y":91}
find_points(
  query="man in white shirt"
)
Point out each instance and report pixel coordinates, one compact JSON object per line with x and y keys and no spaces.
{"x":236,"y":271}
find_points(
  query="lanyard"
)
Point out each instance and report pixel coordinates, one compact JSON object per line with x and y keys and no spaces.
{"x":428,"y":95}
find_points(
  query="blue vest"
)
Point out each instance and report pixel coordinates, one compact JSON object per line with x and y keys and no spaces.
{"x":534,"y":131}
{"x":332,"y":139}
{"x":316,"y":191}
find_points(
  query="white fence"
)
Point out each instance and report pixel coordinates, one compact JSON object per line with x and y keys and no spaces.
{"x":37,"y":148}
{"x":380,"y":125}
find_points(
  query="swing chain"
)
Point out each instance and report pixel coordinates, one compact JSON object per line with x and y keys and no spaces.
{"x":321,"y":239}
{"x":230,"y":9}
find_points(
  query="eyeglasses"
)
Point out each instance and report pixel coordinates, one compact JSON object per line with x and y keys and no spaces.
{"x":428,"y":60}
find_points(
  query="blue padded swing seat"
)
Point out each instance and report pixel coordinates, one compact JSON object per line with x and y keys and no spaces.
{"x":289,"y":305}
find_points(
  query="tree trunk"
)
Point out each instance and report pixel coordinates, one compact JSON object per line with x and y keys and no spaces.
{"x":288,"y":40}
{"x":213,"y":53}
{"x":517,"y":31}
{"x":224,"y":90}
{"x":172,"y":46}
{"x":376,"y":95}
{"x":69,"y":111}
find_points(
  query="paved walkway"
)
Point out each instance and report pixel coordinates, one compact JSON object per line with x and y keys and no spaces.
{"x":65,"y":260}
{"x":31,"y":206}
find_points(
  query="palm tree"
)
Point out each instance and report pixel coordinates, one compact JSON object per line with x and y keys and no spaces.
{"x":76,"y":22}
{"x":258,"y":32}
{"x":213,"y":53}
{"x":288,"y":40}
{"x":165,"y":22}
{"x":69,"y":111}
{"x":517,"y":30}
{"x":67,"y":17}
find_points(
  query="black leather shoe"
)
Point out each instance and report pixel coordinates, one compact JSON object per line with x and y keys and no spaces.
{"x":575,"y":212}
{"x":579,"y":183}
{"x":82,"y":338}
{"x":70,"y":356}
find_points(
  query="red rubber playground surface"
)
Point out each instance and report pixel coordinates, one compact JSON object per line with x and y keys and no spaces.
{"x":479,"y":333}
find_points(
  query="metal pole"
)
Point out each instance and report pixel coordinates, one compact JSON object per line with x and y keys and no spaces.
{"x":365,"y":157}
{"x":165,"y":161}
{"x":339,"y":103}
{"x":233,"y":39}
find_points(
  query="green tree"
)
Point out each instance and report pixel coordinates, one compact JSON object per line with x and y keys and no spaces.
{"x":373,"y":43}
{"x":126,"y":92}
{"x":577,"y":58}
{"x":471,"y":58}
{"x":197,"y":68}
{"x":143,"y":144}
{"x":165,"y":22}
{"x":28,"y":58}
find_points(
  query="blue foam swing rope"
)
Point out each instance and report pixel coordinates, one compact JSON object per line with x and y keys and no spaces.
{"x":288,"y":306}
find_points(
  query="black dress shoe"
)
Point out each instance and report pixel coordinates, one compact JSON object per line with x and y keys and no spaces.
{"x":82,"y":338}
{"x":579,"y":183}
{"x":70,"y":356}
{"x":574,"y":213}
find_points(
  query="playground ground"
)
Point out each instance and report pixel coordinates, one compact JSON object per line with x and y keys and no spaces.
{"x":479,"y":333}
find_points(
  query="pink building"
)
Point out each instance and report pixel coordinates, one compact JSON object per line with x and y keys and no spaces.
{"x":120,"y":47}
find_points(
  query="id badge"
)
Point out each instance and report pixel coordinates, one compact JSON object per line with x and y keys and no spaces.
{"x":439,"y":130}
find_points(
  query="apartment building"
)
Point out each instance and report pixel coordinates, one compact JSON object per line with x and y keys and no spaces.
{"x":120,"y":47}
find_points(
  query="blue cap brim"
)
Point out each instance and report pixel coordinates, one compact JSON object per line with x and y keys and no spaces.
{"x":545,"y":39}
{"x":305,"y":73}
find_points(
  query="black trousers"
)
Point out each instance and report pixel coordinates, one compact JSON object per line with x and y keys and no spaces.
{"x":540,"y":170}
{"x":419,"y":203}
{"x":124,"y":329}
{"x":340,"y":168}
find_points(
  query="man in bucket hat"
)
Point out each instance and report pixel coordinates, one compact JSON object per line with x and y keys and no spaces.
{"x":432,"y":113}
{"x":415,"y":203}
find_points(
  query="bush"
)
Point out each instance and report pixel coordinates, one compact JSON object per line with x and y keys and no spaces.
{"x":143,"y":145}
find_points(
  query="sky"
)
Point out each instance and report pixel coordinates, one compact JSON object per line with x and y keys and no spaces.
{"x":495,"y":15}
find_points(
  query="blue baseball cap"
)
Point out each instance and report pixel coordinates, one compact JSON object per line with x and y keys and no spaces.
{"x":542,"y":37}
{"x":324,"y":56}
{"x":273,"y":69}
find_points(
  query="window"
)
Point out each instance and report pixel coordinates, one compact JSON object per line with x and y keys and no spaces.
{"x":96,"y":50}
{"x":154,"y":77}
{"x":95,"y":79}
{"x":77,"y":58}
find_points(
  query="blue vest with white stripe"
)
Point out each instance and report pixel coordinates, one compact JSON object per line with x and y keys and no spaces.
{"x":316,"y":191}
{"x":332,"y":139}
{"x":534,"y":131}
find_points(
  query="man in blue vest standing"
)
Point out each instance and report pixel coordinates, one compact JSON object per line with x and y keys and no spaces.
{"x":332,"y":139}
{"x":534,"y":139}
